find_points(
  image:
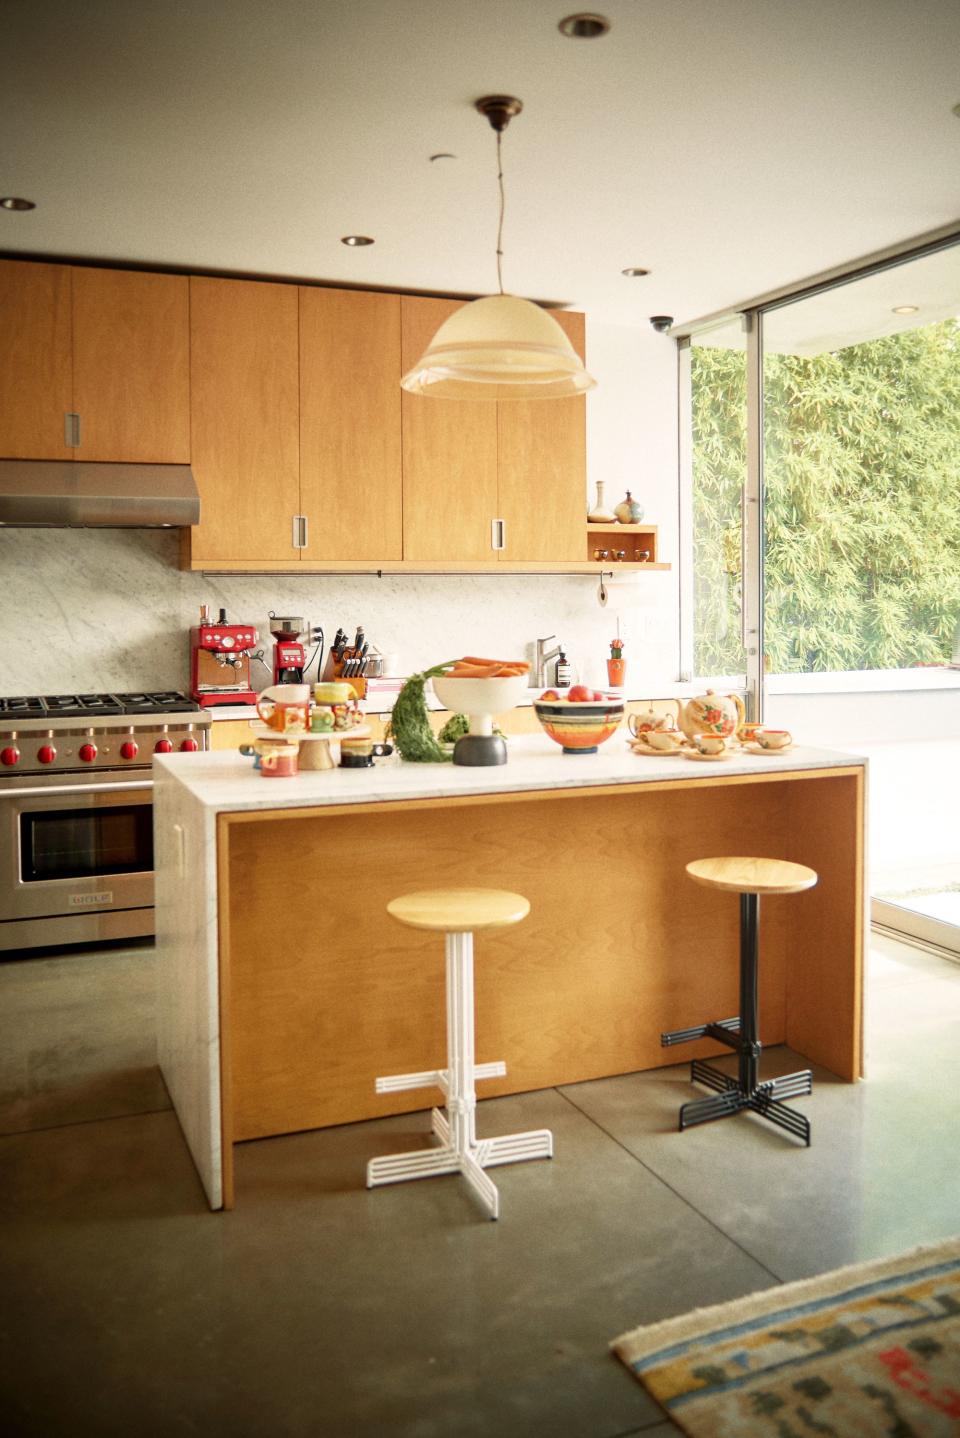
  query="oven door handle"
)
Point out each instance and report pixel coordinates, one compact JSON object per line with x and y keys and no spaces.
{"x":56,"y":790}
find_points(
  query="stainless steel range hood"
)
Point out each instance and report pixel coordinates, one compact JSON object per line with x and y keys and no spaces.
{"x":54,"y":493}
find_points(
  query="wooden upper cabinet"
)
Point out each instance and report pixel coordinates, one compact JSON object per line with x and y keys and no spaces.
{"x":36,"y":373}
{"x":449,"y":458}
{"x":351,"y":484}
{"x":131,"y":366}
{"x":542,"y":471}
{"x":244,"y":404}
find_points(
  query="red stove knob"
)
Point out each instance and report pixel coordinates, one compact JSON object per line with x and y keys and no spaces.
{"x":88,"y":752}
{"x":163,"y":746}
{"x":46,"y":753}
{"x":129,"y":749}
{"x":9,"y":756}
{"x":189,"y":746}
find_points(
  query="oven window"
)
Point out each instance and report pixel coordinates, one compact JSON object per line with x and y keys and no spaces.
{"x":81,"y":844}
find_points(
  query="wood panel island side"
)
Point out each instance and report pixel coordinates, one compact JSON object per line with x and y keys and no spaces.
{"x":285,"y":988}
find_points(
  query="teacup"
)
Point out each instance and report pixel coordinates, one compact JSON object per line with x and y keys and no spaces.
{"x":280,"y":761}
{"x":667,"y":741}
{"x":285,"y":708}
{"x":748,"y":732}
{"x":710,"y":744}
{"x":322,"y":719}
{"x":773,"y":738}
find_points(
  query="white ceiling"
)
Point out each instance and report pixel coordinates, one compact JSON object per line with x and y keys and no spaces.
{"x":730,"y":146}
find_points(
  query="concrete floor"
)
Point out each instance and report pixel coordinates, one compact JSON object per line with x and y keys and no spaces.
{"x":317,"y":1308}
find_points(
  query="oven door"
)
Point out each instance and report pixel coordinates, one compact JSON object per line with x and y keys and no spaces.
{"x":68,"y":849}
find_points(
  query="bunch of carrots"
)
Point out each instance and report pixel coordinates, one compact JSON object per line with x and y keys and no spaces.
{"x":471,"y":667}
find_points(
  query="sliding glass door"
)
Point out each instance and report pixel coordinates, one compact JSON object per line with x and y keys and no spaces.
{"x":823,"y":466}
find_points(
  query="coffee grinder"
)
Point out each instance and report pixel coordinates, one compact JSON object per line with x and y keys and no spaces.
{"x":220,"y":660}
{"x":289,"y":656}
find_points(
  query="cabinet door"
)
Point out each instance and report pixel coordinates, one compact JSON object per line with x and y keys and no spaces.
{"x":351,"y":484}
{"x":543,"y":471}
{"x":36,"y":386}
{"x":449,"y":458}
{"x":131,"y":375}
{"x":244,"y":403}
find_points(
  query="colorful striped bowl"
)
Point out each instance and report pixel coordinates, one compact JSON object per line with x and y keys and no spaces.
{"x":579,"y":728}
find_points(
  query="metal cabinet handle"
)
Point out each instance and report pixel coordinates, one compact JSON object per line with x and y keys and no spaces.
{"x":299,"y":540}
{"x":497,"y":534}
{"x":71,"y":430}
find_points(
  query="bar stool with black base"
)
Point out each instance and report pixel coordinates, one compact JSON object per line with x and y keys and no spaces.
{"x":458,"y":913}
{"x":749,"y":878}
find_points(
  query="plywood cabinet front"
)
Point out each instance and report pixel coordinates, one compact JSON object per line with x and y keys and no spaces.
{"x":131,"y":366}
{"x":542,"y":467}
{"x":449,"y":458}
{"x":36,"y":370}
{"x":351,"y":487}
{"x":245,"y":441}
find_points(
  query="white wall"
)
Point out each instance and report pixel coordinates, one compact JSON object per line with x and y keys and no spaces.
{"x":108,"y":609}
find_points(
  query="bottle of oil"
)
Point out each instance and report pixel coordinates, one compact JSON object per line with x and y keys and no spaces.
{"x":564,"y":672}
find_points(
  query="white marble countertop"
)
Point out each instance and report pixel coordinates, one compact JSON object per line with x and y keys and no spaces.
{"x":226,"y":782}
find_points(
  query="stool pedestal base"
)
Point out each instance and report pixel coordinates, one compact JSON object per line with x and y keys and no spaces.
{"x":460,"y":1150}
{"x":746,"y":1091}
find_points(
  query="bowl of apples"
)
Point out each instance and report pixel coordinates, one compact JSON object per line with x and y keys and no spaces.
{"x":580,"y":719}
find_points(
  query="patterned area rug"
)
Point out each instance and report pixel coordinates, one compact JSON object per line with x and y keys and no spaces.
{"x":870,"y":1351}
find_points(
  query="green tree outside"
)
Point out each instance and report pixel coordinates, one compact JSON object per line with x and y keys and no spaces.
{"x":862,"y":503}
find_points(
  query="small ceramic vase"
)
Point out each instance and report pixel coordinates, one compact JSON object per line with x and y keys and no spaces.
{"x":600,"y":514}
{"x":628,"y":511}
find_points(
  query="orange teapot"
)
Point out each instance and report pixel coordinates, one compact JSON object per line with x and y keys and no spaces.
{"x":711,"y":713}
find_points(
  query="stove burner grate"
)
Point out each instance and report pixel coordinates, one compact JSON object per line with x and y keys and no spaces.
{"x":74,"y":706}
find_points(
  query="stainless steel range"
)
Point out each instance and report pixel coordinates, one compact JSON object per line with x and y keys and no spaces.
{"x":76,"y":815}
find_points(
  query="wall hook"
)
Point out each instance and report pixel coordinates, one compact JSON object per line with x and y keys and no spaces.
{"x":602,"y":591}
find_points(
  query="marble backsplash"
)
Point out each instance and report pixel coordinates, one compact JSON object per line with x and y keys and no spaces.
{"x":86,"y":609}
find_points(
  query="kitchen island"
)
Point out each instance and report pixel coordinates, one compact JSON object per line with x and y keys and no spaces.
{"x":285,"y":988}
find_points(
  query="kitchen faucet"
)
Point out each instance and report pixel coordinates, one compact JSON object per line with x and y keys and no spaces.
{"x":541,"y":658}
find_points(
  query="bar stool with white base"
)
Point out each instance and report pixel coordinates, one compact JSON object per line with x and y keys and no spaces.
{"x":458,"y":914}
{"x":749,"y":878}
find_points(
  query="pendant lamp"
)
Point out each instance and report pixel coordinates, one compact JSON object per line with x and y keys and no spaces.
{"x":500,"y":347}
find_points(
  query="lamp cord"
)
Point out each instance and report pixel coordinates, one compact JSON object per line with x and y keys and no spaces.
{"x":500,"y":225}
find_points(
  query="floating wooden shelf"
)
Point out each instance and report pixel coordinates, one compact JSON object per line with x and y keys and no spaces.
{"x":636,"y":542}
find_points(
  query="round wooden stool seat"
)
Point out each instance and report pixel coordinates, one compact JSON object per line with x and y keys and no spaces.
{"x":459,"y":911}
{"x":752,"y":876}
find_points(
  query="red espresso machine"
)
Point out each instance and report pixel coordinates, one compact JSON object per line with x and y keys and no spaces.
{"x":220,"y":661}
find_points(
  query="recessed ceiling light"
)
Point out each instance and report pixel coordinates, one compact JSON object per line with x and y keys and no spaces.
{"x":584,"y":27}
{"x":633,"y":272}
{"x":353,"y":240}
{"x":14,"y":202}
{"x":905,"y":309}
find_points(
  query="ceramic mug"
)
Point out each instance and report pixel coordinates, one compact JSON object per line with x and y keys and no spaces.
{"x":321,"y":719}
{"x":360,"y":753}
{"x":285,"y":708}
{"x":748,"y":732}
{"x":710,"y":743}
{"x":335,"y":691}
{"x":281,"y":761}
{"x":773,"y":738}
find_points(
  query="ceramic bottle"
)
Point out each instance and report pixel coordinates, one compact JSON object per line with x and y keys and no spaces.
{"x":600,"y":514}
{"x":628,"y":511}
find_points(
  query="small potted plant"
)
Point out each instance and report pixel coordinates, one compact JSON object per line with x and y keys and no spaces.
{"x":616,"y":664}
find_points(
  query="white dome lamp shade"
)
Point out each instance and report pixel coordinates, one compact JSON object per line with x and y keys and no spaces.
{"x":500,"y":347}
